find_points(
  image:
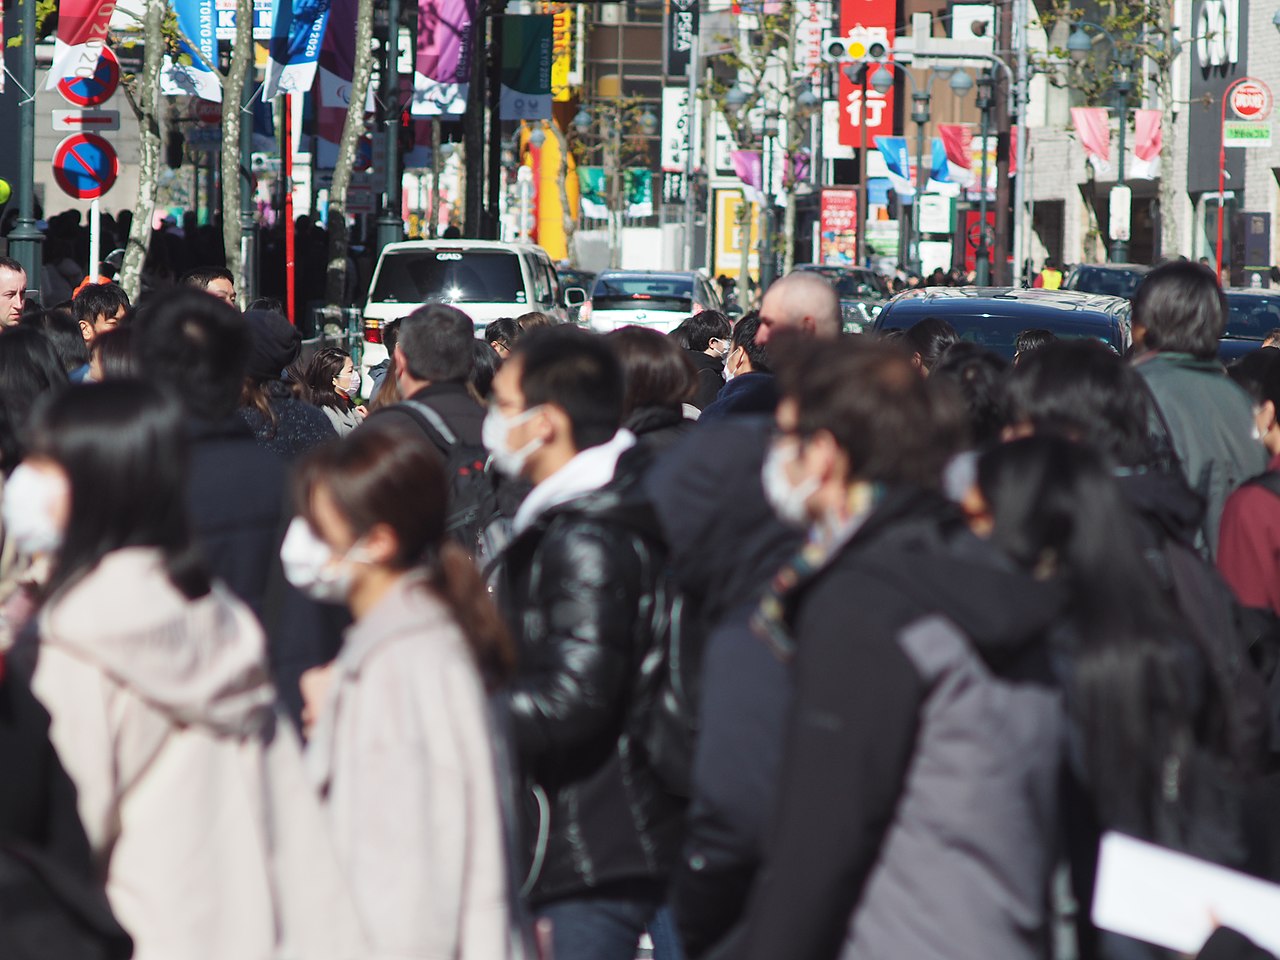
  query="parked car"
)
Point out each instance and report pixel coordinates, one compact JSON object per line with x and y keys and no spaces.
{"x":992,"y":317}
{"x":1252,"y":314}
{"x":647,"y":298}
{"x":1113,"y":279}
{"x":484,"y":279}
{"x":862,"y":293}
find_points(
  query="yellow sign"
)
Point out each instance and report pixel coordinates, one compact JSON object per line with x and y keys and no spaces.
{"x":563,"y":42}
{"x":729,"y":232}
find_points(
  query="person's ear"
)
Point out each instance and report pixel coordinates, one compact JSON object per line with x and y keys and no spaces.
{"x":86,"y":331}
{"x":1267,"y":417}
{"x":381,"y":545}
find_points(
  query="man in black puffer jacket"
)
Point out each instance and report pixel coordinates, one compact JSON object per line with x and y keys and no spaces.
{"x":580,"y":587}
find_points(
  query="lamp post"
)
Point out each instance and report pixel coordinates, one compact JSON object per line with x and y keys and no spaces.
{"x":24,"y":238}
{"x":390,"y":223}
{"x":1079,"y":46}
{"x":982,"y":256}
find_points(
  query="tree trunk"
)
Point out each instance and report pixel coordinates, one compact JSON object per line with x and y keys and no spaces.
{"x":232,"y":93}
{"x":1170,"y":195}
{"x":150,"y":135}
{"x":352,"y":131}
{"x":562,"y":184}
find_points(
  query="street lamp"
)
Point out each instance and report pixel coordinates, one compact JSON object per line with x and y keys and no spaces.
{"x":611,"y":129}
{"x":982,"y":256}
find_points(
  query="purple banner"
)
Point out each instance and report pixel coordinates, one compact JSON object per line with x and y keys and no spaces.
{"x":442,"y":64}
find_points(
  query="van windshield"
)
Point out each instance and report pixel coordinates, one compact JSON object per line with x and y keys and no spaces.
{"x":451,"y":276}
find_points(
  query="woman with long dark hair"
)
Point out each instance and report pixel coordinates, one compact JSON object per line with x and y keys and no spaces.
{"x":402,"y":749}
{"x":192,"y":793}
{"x":281,"y":420}
{"x":333,"y":383}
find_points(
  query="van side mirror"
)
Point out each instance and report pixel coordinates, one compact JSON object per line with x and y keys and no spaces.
{"x":574,"y":296}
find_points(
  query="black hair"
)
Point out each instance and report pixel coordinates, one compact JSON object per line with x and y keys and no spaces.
{"x":63,"y":333}
{"x":99,"y":300}
{"x":1081,"y":390}
{"x":874,"y":403}
{"x":978,"y":375}
{"x":657,"y":372}
{"x":486,"y":365}
{"x":1258,"y":375}
{"x":435,"y":341}
{"x":1057,"y":511}
{"x":270,"y":304}
{"x":1029,"y":341}
{"x":319,"y":375}
{"x":1182,"y":309}
{"x":391,"y":335}
{"x":680,"y":333}
{"x":744,"y":336}
{"x":578,"y":372}
{"x":114,"y":350}
{"x":196,"y":347}
{"x":201,"y":277}
{"x":930,"y":338}
{"x":706,"y":326}
{"x":124,"y":449}
{"x":504,"y":330}
{"x":29,"y":369}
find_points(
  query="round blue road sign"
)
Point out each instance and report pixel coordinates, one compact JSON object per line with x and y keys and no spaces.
{"x":85,"y":166}
{"x":94,"y":90}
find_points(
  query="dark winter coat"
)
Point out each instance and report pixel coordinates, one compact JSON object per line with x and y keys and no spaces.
{"x":459,"y":410}
{"x":755,"y":393}
{"x":658,"y":429}
{"x":710,"y":377}
{"x":574,"y":587}
{"x":298,"y":426}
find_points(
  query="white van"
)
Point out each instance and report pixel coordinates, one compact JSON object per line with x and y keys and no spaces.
{"x":484,"y":279}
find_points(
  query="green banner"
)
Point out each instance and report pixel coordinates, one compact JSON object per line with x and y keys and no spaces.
{"x":591,"y":188}
{"x":638,"y":185}
{"x":527,"y":47}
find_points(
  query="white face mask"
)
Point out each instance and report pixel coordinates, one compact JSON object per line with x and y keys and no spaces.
{"x":495,"y":434}
{"x":788,"y":501}
{"x":309,"y":564}
{"x":353,"y":383}
{"x":726,"y":373}
{"x":31,"y":499}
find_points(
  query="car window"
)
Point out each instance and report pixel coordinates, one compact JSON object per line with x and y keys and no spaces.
{"x":1116,"y":283}
{"x":553,"y":280}
{"x":643,"y":293}
{"x":449,"y":276}
{"x":1252,"y":317}
{"x":999,"y":334}
{"x":541,"y":283}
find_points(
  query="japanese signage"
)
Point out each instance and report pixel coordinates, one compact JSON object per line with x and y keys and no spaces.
{"x":1217,"y":60}
{"x":838,"y":229}
{"x":861,"y":123}
{"x":563,"y":51}
{"x":679,"y":128}
{"x":682,"y":27}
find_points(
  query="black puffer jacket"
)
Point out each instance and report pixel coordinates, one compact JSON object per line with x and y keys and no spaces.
{"x":577,"y":589}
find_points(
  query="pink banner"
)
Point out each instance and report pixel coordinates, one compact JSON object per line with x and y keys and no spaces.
{"x":749,"y":167}
{"x":1148,"y":134}
{"x":82,"y":33}
{"x":957,"y":140}
{"x":1094,"y":131}
{"x":442,"y":64}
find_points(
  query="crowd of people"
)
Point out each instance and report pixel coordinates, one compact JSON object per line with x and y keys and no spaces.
{"x":755,"y":639}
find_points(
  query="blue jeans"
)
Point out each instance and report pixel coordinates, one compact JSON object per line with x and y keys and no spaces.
{"x":597,"y":928}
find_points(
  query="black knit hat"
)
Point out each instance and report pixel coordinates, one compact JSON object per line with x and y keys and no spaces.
{"x":276,"y":343}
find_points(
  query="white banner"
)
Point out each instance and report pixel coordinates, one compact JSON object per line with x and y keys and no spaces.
{"x":676,"y":124}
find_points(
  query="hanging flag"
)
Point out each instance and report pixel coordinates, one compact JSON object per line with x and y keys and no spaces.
{"x":637,"y":184}
{"x":297,"y":30}
{"x":1148,"y":142}
{"x":1093,"y":129}
{"x":749,"y":166}
{"x":957,"y":145}
{"x":82,"y":33}
{"x":527,"y":43}
{"x":442,"y":63}
{"x":591,"y":191}
{"x":897,"y":159}
{"x":939,"y":169}
{"x":197,"y":22}
{"x":336,"y":67}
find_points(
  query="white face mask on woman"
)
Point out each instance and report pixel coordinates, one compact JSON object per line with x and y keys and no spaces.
{"x":32,"y":499}
{"x":495,"y":434}
{"x":310,"y":565}
{"x":788,"y":501}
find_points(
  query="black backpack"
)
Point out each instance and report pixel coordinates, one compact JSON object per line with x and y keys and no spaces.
{"x":475,"y":519}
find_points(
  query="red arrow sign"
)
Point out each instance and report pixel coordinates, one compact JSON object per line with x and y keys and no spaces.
{"x":70,"y":121}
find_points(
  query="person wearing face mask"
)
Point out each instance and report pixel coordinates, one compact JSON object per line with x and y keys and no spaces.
{"x":707,"y":334}
{"x":917,"y":812}
{"x":189,"y":783}
{"x":749,"y":385}
{"x":333,"y":383}
{"x":401,"y":746}
{"x":581,"y":586}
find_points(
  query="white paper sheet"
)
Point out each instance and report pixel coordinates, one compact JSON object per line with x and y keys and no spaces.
{"x":1175,"y":901}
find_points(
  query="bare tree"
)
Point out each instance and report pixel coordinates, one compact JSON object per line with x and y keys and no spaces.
{"x":352,"y":131}
{"x":143,"y":95}
{"x":232,"y":93}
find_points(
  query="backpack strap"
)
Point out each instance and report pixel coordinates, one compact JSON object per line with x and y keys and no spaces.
{"x":420,"y":410}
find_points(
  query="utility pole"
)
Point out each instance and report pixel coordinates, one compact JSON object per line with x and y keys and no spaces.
{"x":390,"y":224}
{"x":25,"y":239}
{"x":473,"y":132}
{"x":248,"y":219}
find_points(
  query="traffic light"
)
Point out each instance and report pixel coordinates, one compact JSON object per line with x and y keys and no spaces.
{"x":173,"y":149}
{"x":407,"y":142}
{"x":860,"y":45}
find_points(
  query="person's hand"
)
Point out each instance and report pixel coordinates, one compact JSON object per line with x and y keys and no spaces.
{"x":363,"y":411}
{"x":314,"y":684}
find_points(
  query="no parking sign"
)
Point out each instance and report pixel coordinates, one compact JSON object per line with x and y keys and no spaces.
{"x":85,"y":166}
{"x":96,"y":89}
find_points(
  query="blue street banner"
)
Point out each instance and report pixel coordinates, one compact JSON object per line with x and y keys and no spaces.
{"x":897,"y":159}
{"x":297,"y":30}
{"x":192,"y":75}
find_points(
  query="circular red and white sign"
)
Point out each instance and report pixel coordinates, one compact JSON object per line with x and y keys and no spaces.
{"x":1251,"y":100}
{"x":206,"y":111}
